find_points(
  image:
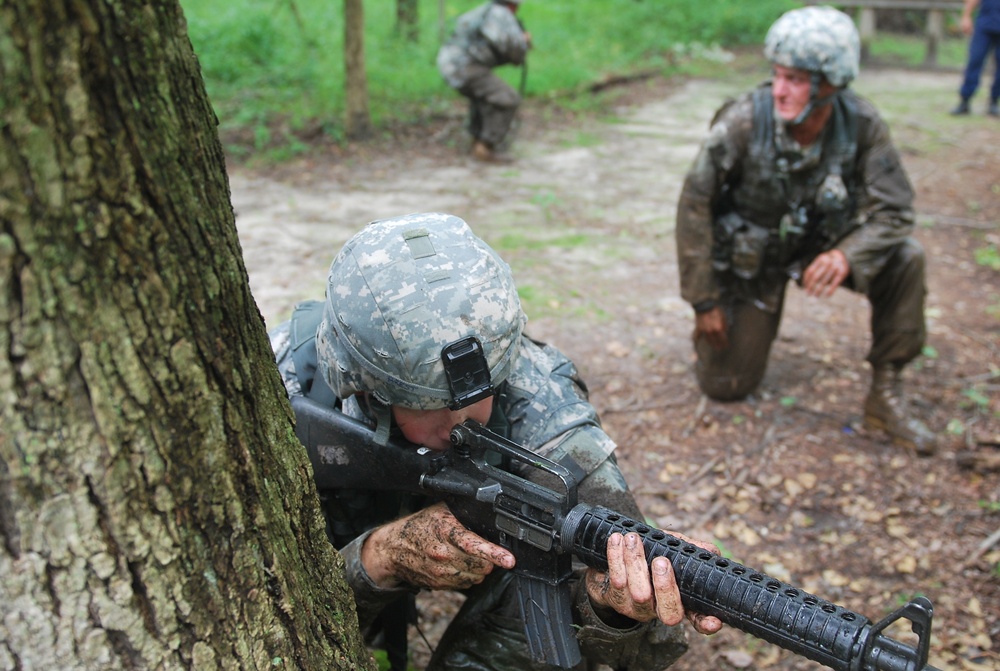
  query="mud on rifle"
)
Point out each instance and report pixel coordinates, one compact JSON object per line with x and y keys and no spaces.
{"x":544,"y":528}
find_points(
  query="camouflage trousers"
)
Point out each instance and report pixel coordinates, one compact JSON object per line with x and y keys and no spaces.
{"x":492,"y":105}
{"x":898,"y":329}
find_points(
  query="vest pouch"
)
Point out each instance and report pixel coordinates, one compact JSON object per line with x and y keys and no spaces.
{"x":832,"y":195}
{"x":748,"y":245}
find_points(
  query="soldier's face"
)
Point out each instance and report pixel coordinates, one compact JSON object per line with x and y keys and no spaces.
{"x":432,"y":428}
{"x":790,"y":88}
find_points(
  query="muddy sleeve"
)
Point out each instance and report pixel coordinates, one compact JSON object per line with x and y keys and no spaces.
{"x":369,"y":598}
{"x":885,"y":208}
{"x":651,"y":645}
{"x":713,"y":167}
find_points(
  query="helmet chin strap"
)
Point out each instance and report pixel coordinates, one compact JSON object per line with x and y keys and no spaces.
{"x":815,"y":100}
{"x":382,"y":414}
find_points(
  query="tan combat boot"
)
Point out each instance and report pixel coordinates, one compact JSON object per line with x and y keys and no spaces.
{"x":482,"y":152}
{"x":885,"y":409}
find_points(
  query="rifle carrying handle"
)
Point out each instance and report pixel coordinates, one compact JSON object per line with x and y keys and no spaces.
{"x":754,"y":602}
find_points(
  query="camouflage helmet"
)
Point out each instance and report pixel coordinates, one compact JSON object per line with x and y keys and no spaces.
{"x":817,"y":39}
{"x":400,"y":292}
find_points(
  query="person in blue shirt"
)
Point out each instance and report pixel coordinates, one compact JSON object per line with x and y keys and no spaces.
{"x":985,"y":33}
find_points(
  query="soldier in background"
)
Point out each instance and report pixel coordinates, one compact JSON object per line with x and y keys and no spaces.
{"x":485,"y":38}
{"x":799,"y":180}
{"x":400,"y":295}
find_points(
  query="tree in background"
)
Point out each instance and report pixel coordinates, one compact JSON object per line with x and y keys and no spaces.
{"x":357,"y":124}
{"x":156,"y":510}
{"x":408,"y":19}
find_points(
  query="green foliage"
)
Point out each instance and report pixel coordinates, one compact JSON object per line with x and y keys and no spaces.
{"x":956,"y":427}
{"x":988,"y":256}
{"x":279,"y":63}
{"x":991,"y":506}
{"x":910,"y":50}
{"x":521,"y":241}
{"x":382,"y":661}
{"x":977,"y":398}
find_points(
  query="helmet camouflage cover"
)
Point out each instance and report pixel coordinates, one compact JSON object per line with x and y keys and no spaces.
{"x":817,"y":39}
{"x":400,"y":291}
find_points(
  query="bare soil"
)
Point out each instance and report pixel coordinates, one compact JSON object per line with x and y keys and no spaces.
{"x":787,"y":481}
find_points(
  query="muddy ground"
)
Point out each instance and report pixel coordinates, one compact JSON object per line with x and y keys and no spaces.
{"x":787,"y":481}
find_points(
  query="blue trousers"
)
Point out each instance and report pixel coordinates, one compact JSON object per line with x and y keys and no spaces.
{"x":983,"y":41}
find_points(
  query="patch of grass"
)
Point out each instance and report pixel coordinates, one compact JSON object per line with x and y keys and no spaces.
{"x":537,"y":302}
{"x":910,"y":50}
{"x":275,"y":74}
{"x":976,"y":398}
{"x":268,"y":62}
{"x":988,"y":256}
{"x":993,"y":309}
{"x":522,"y":242}
{"x":382,"y":661}
{"x":583,"y":139}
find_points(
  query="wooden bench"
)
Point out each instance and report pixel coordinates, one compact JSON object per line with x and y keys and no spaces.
{"x":866,"y":22}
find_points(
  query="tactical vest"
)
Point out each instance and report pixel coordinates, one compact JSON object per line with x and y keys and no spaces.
{"x":770,"y":193}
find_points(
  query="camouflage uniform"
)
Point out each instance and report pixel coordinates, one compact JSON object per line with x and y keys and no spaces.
{"x":541,"y":403}
{"x":756,"y":208}
{"x":734,"y":174}
{"x":484,"y":38}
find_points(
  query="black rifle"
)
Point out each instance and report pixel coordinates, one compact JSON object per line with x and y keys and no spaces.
{"x":545,"y":528}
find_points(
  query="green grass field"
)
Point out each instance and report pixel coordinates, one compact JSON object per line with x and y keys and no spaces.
{"x":275,"y":67}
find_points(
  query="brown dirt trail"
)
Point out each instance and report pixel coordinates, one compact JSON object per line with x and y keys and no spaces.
{"x":786,"y":481}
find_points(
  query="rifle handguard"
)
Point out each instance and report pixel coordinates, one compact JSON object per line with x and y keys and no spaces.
{"x":759,"y":604}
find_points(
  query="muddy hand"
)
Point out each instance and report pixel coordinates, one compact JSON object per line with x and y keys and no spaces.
{"x":711,"y":325}
{"x":631,"y":589}
{"x":430,"y":549}
{"x":826,"y":273}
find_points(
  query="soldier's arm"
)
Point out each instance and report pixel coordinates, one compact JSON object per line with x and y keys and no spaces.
{"x":885,"y":208}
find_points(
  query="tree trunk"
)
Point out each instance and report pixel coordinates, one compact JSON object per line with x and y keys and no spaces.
{"x":358,"y":125}
{"x":156,"y":510}
{"x":408,"y":19}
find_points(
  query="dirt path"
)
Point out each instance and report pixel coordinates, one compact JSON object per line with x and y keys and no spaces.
{"x":786,"y":481}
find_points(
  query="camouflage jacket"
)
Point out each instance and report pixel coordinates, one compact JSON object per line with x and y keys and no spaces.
{"x":769,"y":181}
{"x":485,"y":37}
{"x":541,"y":405}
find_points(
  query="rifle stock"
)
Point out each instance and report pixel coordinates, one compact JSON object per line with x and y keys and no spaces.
{"x":545,"y":528}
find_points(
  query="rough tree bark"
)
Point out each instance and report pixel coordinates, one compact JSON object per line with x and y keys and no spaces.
{"x":358,"y":125}
{"x":156,"y":510}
